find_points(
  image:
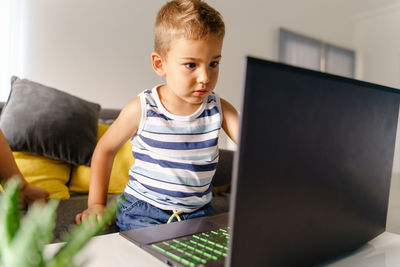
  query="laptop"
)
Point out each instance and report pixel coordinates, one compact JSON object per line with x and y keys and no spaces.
{"x":311,"y":174}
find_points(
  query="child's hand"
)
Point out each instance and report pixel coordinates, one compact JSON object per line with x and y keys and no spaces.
{"x":97,"y":209}
{"x":32,"y":193}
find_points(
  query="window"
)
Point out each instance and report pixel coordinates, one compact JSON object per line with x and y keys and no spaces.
{"x":4,"y":49}
{"x":10,"y":44}
{"x":302,"y":51}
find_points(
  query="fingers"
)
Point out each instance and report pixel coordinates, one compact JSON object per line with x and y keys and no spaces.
{"x":32,"y":193}
{"x":78,"y":218}
{"x":45,"y":195}
{"x":93,"y":215}
{"x":81,"y":217}
{"x":99,"y":217}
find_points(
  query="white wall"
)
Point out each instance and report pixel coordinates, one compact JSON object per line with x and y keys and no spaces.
{"x":100,"y":49}
{"x":377,"y":39}
{"x":96,"y":49}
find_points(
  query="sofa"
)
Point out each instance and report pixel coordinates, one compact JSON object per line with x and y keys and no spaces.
{"x":48,"y":131}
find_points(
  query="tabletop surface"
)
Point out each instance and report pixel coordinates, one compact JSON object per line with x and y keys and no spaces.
{"x":114,"y":250}
{"x":110,"y":250}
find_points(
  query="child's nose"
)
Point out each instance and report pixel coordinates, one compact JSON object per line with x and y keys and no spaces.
{"x":204,"y":76}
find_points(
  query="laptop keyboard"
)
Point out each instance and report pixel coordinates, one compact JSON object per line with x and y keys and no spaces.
{"x":196,"y":249}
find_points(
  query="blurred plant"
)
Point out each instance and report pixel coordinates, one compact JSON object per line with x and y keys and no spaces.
{"x":23,"y":237}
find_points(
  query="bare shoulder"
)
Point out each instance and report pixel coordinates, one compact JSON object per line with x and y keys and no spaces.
{"x":227,"y":108}
{"x":127,"y":122}
{"x":132,"y":110}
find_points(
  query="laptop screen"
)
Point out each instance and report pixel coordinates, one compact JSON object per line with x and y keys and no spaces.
{"x":313,"y":167}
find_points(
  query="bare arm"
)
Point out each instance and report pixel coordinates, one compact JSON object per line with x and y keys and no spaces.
{"x":123,"y":128}
{"x":8,"y":168}
{"x":230,"y":122}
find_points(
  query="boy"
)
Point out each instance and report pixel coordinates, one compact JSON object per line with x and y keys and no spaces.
{"x":174,"y":127}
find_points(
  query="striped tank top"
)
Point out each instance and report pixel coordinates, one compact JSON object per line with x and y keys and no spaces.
{"x":175,"y":156}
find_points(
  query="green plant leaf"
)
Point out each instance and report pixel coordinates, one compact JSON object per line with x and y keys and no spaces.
{"x":79,"y":235}
{"x":22,"y":242}
{"x":9,"y":212}
{"x":26,"y":249}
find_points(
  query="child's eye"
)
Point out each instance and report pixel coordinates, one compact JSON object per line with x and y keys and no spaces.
{"x":190,"y":65}
{"x":214,"y":64}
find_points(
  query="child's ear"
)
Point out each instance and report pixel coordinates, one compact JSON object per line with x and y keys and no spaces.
{"x":158,"y":64}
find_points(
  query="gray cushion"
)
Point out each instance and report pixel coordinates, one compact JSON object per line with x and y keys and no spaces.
{"x":49,"y":122}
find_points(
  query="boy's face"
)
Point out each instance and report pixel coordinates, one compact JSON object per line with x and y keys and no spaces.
{"x":191,"y":68}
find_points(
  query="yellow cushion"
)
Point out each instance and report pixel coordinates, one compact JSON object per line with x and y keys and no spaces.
{"x":49,"y":174}
{"x":119,"y":174}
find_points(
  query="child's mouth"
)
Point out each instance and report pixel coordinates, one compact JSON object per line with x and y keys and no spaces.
{"x":200,"y":92}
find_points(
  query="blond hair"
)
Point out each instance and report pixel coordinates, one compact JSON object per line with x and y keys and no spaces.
{"x":190,"y":19}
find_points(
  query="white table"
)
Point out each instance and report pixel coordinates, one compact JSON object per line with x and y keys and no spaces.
{"x":114,"y":250}
{"x":110,"y":250}
{"x":382,"y":251}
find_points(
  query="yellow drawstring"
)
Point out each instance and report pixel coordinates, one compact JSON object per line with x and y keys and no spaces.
{"x":175,"y":213}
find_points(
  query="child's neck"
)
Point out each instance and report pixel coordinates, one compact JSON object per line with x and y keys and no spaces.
{"x":175,"y":105}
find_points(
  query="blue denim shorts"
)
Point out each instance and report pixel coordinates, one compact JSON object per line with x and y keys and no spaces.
{"x":133,"y":213}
